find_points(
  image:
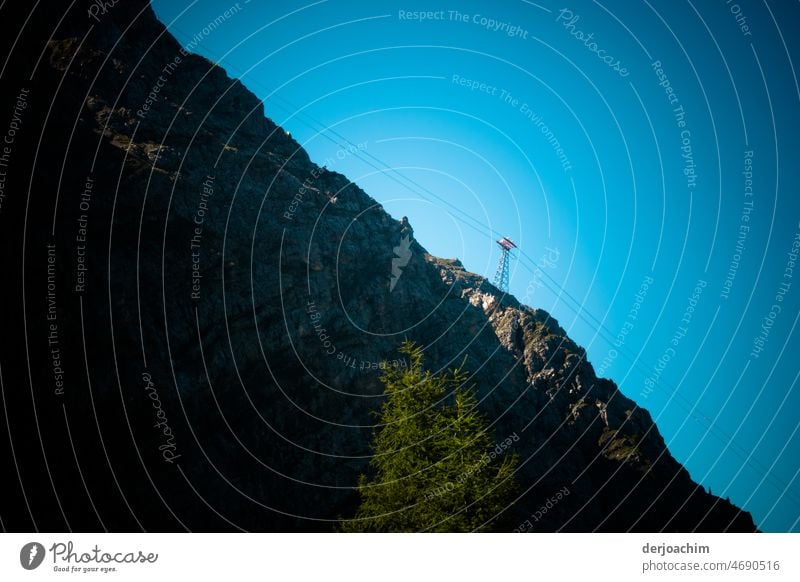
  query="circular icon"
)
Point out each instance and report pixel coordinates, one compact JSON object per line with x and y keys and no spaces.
{"x":31,"y":555}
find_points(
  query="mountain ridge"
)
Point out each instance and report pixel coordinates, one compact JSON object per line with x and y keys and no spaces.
{"x":254,"y":291}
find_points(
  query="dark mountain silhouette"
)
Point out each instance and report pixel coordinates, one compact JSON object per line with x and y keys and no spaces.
{"x":150,"y":204}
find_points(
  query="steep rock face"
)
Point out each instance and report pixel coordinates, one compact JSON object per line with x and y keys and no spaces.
{"x":209,"y":222}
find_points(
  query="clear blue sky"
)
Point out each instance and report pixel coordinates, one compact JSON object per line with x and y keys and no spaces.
{"x":631,"y":194}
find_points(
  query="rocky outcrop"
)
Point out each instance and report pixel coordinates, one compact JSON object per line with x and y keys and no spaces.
{"x":223,"y":306}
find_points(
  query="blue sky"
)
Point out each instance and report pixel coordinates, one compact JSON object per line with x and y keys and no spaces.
{"x":621,"y":156}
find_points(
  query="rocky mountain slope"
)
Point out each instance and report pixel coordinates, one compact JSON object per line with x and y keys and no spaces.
{"x":218,"y":306}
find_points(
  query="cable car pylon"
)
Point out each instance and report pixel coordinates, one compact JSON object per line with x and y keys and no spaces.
{"x":501,"y":275}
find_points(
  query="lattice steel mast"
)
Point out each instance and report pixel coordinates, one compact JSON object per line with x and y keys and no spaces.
{"x":501,"y":275}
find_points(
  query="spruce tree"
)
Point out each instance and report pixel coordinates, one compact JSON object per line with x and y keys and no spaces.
{"x":434,"y":466}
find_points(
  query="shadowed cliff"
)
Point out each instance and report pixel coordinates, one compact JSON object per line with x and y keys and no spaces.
{"x":222,"y":306}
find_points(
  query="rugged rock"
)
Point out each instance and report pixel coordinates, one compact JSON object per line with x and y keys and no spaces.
{"x":265,"y":367}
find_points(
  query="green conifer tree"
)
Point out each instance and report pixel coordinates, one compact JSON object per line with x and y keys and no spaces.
{"x":434,"y":466}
